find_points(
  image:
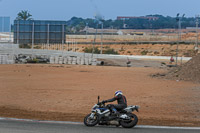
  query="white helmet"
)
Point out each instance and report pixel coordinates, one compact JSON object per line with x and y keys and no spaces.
{"x":118,"y":93}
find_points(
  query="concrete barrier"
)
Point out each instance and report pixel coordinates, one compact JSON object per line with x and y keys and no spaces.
{"x":69,"y":60}
{"x":90,"y":61}
{"x":56,"y":60}
{"x":3,"y":59}
{"x":82,"y":61}
{"x":52,"y":60}
{"x":6,"y":59}
{"x":78,"y":60}
{"x":60,"y":60}
{"x":65,"y":60}
{"x":86,"y":61}
{"x":74,"y":60}
{"x":94,"y":62}
{"x":10,"y":62}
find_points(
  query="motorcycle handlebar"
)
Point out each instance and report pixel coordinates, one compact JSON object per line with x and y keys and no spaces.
{"x":101,"y":103}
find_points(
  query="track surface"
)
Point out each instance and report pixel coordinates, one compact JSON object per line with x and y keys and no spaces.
{"x":8,"y":126}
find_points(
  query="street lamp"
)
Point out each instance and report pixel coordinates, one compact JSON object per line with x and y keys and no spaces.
{"x":178,"y":20}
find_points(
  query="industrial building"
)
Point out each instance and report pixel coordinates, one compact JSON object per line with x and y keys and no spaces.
{"x":5,"y":24}
{"x":39,"y":31}
{"x":142,"y":17}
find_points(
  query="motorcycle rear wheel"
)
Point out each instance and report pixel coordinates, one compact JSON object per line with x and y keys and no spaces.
{"x":131,"y":123}
{"x":91,"y":122}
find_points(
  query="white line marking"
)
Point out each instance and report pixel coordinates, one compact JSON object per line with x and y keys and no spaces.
{"x":168,"y":127}
{"x":80,"y":123}
{"x":40,"y":121}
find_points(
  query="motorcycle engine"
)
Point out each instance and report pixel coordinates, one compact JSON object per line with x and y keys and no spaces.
{"x":113,"y":123}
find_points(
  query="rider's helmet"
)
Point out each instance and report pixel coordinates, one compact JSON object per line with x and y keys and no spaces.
{"x":118,"y":93}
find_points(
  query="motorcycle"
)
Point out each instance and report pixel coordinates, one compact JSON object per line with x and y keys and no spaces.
{"x":102,"y":115}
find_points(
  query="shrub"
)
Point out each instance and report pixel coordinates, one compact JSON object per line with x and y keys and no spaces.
{"x":156,"y":52}
{"x":107,"y":47}
{"x":144,"y":52}
{"x":122,"y":49}
{"x":110,"y":51}
{"x":89,"y":50}
{"x":25,"y":46}
{"x":37,"y":47}
{"x":97,"y":51}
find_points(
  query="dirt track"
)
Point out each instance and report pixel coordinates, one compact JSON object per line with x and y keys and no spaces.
{"x":63,"y":92}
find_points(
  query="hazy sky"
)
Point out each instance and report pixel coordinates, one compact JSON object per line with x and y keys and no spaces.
{"x":110,"y":9}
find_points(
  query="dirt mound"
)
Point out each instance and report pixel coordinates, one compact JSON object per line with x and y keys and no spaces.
{"x":190,"y":71}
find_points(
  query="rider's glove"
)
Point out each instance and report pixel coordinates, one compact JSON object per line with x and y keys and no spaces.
{"x":104,"y":101}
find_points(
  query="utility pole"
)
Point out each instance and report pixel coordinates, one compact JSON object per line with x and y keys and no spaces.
{"x":86,"y":30}
{"x":95,"y":36}
{"x":10,"y":40}
{"x":101,"y":37}
{"x":3,"y":24}
{"x":33,"y":31}
{"x":18,"y":32}
{"x":197,"y":33}
{"x":178,"y":19}
{"x":63,"y":37}
{"x":112,"y":30}
{"x":48,"y":34}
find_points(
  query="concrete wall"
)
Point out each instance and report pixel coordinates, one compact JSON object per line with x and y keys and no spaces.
{"x":125,"y":37}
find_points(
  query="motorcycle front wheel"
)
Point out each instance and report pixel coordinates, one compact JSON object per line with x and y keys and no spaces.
{"x":130,"y":123}
{"x":91,"y":120}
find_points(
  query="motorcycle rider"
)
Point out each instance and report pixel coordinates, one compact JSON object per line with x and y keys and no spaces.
{"x":121,"y":100}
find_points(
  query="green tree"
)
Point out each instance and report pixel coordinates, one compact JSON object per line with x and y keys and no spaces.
{"x":162,"y":22}
{"x":24,"y":15}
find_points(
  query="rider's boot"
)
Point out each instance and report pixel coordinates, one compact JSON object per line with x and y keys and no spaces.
{"x":115,"y":112}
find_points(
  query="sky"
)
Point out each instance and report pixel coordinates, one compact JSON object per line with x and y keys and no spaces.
{"x":110,"y":9}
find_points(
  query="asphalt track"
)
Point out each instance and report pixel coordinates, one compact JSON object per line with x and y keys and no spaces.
{"x":21,"y":126}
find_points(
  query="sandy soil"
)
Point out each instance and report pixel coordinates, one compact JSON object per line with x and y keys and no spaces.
{"x":64,"y":92}
{"x":135,"y":49}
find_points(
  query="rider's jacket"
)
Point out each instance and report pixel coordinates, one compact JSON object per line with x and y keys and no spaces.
{"x":121,"y":99}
